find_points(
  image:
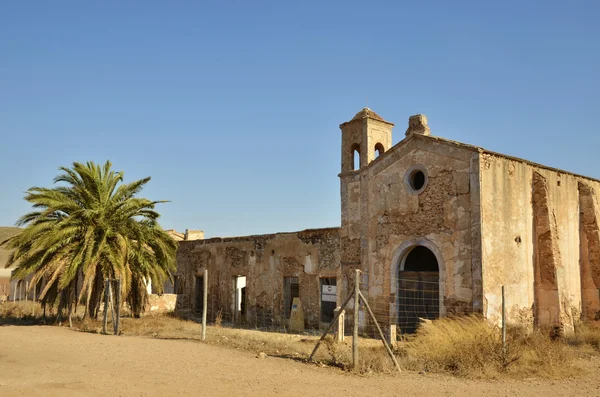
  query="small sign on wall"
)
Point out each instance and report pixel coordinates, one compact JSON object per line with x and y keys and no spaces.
{"x":328,"y":293}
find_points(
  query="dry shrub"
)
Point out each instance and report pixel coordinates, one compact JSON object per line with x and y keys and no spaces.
{"x":586,"y":334}
{"x":219,"y":318}
{"x":374,"y":359}
{"x":459,"y":346}
{"x":160,"y":326}
{"x":88,"y":325}
{"x":21,"y":311}
{"x":469,"y":346}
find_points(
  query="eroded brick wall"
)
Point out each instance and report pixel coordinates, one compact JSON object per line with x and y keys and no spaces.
{"x":264,"y":260}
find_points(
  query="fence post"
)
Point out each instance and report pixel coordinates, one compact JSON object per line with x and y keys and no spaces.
{"x":105,"y":320}
{"x":118,"y":299}
{"x":355,"y":328}
{"x":385,"y":344}
{"x":335,"y":318}
{"x":204,"y":304}
{"x":503,"y":323}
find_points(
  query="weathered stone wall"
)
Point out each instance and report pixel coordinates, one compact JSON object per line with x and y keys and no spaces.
{"x":439,"y":216}
{"x":531,"y":240}
{"x":264,"y":260}
{"x":164,"y":303}
{"x":382,"y":218}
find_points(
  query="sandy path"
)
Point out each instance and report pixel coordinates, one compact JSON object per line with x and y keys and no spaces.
{"x":53,"y":361}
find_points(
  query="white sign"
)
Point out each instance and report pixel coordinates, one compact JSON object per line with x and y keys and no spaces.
{"x":328,"y":298}
{"x":328,"y":293}
{"x":328,"y":289}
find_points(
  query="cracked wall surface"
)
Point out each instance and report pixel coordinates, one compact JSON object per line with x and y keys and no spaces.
{"x":590,"y":252}
{"x":549,"y":283}
{"x":530,"y":242}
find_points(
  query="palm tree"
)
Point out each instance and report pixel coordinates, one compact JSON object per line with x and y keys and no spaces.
{"x":89,"y":228}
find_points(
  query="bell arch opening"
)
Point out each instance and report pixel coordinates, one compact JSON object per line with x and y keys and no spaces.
{"x":418,"y":288}
{"x":355,"y":159}
{"x":379,"y":150}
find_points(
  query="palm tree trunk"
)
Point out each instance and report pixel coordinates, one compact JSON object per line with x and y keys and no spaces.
{"x":96,"y":294}
{"x":138,"y":296}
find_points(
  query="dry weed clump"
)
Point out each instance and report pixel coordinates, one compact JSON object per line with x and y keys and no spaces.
{"x":586,"y":334}
{"x":19,"y":310}
{"x":469,"y":346}
{"x":160,"y":326}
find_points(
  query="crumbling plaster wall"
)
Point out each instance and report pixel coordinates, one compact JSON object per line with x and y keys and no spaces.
{"x":530,"y":223}
{"x":264,"y":260}
{"x":379,"y":215}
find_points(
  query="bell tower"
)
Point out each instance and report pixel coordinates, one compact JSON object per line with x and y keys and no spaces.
{"x":367,"y":134}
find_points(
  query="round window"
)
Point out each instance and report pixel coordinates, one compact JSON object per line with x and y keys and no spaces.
{"x":416,"y":180}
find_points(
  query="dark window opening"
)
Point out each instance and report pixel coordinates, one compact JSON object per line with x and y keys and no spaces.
{"x":417,"y":180}
{"x":418,"y":289}
{"x":421,"y":259}
{"x":243,"y":302}
{"x":328,"y":299}
{"x":199,"y":298}
{"x":379,"y":150}
{"x":291,"y":290}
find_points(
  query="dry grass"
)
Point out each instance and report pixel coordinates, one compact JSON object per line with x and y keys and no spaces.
{"x":587,"y":334}
{"x":470,"y":347}
{"x":465,"y":346}
{"x":20,"y":311}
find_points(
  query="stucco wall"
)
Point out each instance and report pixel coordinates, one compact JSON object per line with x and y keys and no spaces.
{"x":164,"y":303}
{"x":264,"y":260}
{"x":512,"y":252}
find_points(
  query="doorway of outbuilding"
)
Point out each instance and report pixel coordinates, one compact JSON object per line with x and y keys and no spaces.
{"x":239,"y":299}
{"x":418,"y":294}
{"x":291,"y":290}
{"x":328,"y":298}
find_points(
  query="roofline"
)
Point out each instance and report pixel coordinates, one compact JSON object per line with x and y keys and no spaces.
{"x":256,"y":236}
{"x":366,"y":117}
{"x":472,"y":148}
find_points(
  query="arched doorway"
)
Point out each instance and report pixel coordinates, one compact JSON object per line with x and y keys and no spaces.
{"x":418,"y":294}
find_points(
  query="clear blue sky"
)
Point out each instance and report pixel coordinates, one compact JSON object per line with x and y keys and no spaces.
{"x":233,"y":107}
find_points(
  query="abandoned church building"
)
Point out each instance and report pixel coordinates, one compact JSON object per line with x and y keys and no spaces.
{"x":437,"y":228}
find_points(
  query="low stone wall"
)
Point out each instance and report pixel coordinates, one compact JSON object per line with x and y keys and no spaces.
{"x":161,"y":303}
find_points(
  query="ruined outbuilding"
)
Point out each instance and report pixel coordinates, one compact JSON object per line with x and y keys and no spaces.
{"x":436,"y":226}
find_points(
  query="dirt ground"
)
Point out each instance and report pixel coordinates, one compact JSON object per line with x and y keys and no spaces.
{"x":54,"y":361}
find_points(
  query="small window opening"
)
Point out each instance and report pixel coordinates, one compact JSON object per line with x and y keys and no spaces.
{"x":291,"y":290}
{"x":417,"y":180}
{"x":379,"y":150}
{"x":355,"y":157}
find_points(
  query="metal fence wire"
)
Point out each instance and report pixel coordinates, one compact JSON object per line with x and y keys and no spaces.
{"x":414,"y":298}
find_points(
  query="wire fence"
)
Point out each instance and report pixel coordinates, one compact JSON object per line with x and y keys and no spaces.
{"x":413,"y":298}
{"x":399,"y":304}
{"x":285,"y":311}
